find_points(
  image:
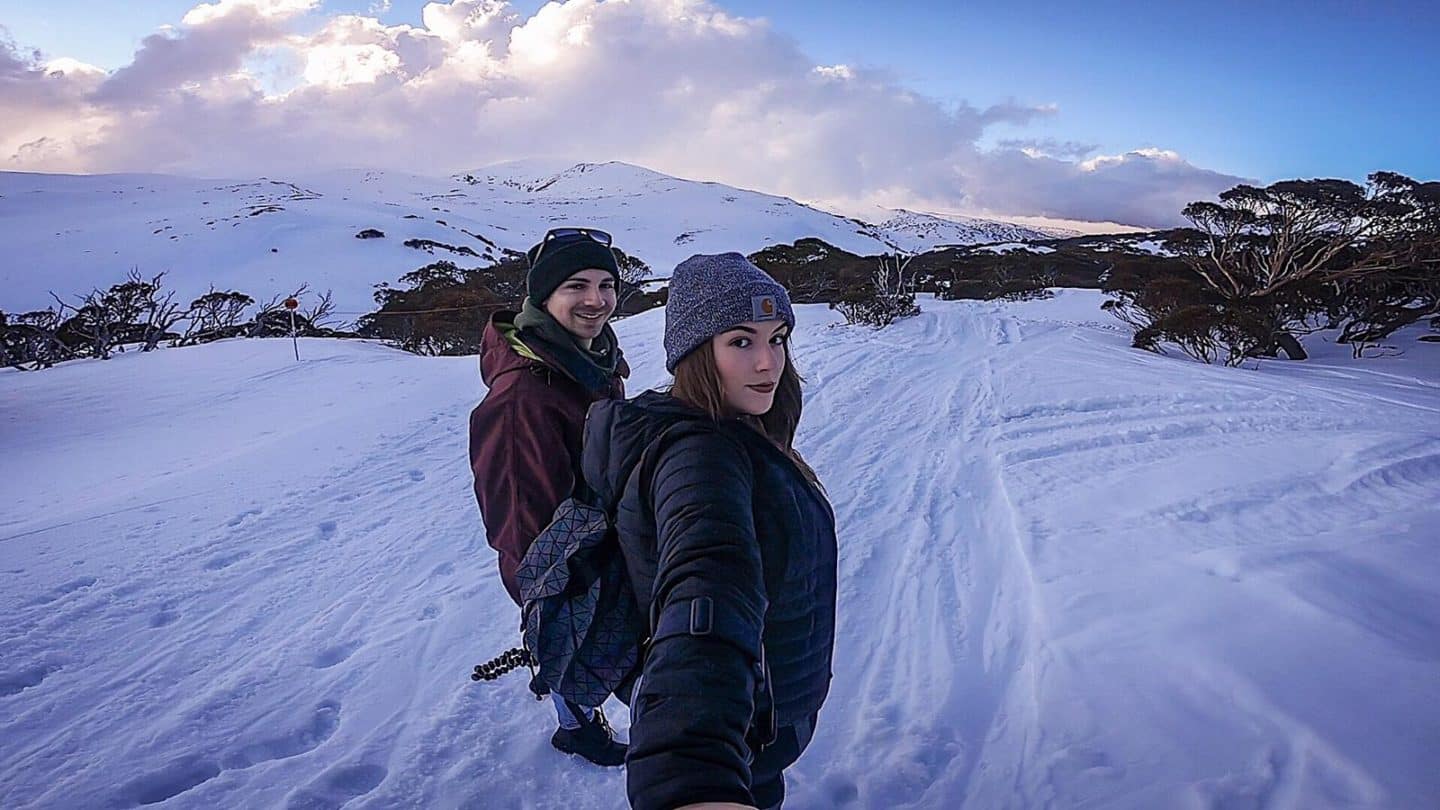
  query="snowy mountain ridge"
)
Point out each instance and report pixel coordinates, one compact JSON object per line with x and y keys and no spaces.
{"x":915,"y":232}
{"x":67,"y":233}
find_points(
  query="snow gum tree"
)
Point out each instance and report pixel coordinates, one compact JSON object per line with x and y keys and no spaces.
{"x":889,"y":296}
{"x":1267,"y":265}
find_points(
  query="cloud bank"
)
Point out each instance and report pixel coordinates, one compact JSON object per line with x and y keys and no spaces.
{"x":676,"y":85}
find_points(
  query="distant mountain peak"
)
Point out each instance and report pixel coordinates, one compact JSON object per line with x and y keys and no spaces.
{"x":915,"y":231}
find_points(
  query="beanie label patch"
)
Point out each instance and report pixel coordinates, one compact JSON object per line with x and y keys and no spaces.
{"x":763,"y":308}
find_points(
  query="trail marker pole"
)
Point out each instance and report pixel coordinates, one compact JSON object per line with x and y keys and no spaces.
{"x":291,"y":304}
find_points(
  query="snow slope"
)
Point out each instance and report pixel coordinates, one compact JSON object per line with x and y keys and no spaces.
{"x":264,"y":237}
{"x":914,"y":232}
{"x":1072,"y":575}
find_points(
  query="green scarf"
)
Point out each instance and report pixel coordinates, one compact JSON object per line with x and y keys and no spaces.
{"x":593,"y":368}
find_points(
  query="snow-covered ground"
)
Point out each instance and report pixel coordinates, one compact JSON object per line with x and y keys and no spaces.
{"x":1073,"y":574}
{"x":264,"y":237}
{"x":1011,"y":247}
{"x":1130,"y":243}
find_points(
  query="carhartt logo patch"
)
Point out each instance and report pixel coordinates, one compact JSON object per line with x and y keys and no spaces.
{"x":763,"y":308}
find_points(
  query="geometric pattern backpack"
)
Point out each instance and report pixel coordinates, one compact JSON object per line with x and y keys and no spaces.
{"x":580,"y":620}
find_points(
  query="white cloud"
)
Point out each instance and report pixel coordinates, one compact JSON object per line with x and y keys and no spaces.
{"x":465,"y":20}
{"x":360,"y":50}
{"x":48,"y":121}
{"x":1148,"y":153}
{"x":210,"y":50}
{"x":207,"y":13}
{"x":677,"y":85}
{"x":1049,"y":147}
{"x":67,"y":66}
{"x":841,"y":72}
{"x":341,"y":65}
{"x":1144,"y":187}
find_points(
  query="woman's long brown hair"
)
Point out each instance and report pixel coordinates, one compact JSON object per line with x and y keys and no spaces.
{"x":697,"y":384}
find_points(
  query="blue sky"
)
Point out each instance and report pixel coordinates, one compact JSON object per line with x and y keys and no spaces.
{"x":1240,"y":90}
{"x":1261,"y":89}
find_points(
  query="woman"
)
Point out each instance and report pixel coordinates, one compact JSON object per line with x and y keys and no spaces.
{"x":730,"y":544}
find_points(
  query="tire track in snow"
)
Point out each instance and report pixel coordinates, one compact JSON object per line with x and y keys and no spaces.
{"x":1254,"y":480}
{"x":929,"y":553}
{"x":1005,"y":721}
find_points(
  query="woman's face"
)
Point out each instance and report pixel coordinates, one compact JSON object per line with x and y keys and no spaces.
{"x":583,"y":303}
{"x":749,"y":358}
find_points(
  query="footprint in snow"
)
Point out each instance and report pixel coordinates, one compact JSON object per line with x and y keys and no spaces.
{"x":13,"y":683}
{"x":338,"y":786}
{"x":300,"y":740}
{"x":840,"y":790}
{"x":242,"y":517}
{"x":63,"y":591}
{"x":330,"y":656}
{"x":1074,"y":767}
{"x":164,"y":616}
{"x":224,"y":561}
{"x":180,"y":775}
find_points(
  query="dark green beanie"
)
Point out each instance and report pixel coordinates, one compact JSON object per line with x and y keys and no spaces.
{"x":562,"y":258}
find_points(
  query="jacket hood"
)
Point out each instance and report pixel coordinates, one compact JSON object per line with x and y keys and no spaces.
{"x":501,"y":350}
{"x":618,"y":431}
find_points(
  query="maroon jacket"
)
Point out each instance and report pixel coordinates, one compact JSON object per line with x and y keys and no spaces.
{"x":525,"y":440}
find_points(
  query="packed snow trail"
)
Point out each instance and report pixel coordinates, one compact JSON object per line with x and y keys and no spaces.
{"x":1072,"y":574}
{"x":936,"y":606}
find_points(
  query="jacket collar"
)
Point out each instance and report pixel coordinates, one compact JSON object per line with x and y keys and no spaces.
{"x":514,"y":341}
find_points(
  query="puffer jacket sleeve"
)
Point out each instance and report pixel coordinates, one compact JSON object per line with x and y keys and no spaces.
{"x":521,"y":456}
{"x":696,"y":698}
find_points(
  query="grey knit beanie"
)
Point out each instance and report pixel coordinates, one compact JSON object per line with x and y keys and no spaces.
{"x":709,"y":294}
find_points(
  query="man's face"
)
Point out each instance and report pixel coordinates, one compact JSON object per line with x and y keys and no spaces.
{"x":583,"y":303}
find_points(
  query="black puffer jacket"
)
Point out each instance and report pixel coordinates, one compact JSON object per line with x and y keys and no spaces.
{"x":721,"y":532}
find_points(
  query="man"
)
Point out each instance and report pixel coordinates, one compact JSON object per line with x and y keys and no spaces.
{"x":544,"y":366}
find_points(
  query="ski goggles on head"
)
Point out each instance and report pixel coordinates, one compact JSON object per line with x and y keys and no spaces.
{"x":594,"y":234}
{"x":561,"y":233}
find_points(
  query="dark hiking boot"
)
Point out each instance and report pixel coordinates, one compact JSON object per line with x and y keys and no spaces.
{"x":593,"y":740}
